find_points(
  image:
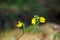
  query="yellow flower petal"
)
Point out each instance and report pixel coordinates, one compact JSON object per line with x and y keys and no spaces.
{"x":19,"y":24}
{"x":33,"y":21}
{"x":42,"y":19}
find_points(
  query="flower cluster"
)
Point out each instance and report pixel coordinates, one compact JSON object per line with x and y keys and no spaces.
{"x":36,"y":18}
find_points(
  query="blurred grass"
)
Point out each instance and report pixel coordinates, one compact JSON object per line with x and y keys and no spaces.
{"x":10,"y":34}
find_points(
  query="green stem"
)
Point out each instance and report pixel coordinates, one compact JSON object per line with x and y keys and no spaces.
{"x":23,"y":28}
{"x":22,"y":33}
{"x":35,"y":27}
{"x":20,"y":36}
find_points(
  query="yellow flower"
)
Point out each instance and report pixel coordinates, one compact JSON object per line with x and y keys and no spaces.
{"x":33,"y":21}
{"x":19,"y":24}
{"x":42,"y":19}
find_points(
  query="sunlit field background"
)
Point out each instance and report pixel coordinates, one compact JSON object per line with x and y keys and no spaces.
{"x":16,"y":20}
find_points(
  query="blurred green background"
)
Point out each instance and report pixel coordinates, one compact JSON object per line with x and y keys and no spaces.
{"x":13,"y":10}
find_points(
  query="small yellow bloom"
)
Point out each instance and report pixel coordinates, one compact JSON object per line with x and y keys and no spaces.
{"x":33,"y":21}
{"x":42,"y":19}
{"x":19,"y":24}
